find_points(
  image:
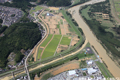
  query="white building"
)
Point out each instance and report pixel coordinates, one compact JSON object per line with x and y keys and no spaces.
{"x":90,"y":62}
{"x":72,"y":73}
{"x":91,"y":71}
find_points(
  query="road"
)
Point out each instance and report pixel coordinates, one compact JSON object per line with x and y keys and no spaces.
{"x":115,"y":70}
{"x":8,"y":77}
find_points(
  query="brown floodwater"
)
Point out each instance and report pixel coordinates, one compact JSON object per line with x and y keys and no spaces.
{"x":112,"y":67}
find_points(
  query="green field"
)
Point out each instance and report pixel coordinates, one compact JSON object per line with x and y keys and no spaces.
{"x":107,"y":23}
{"x":47,"y":40}
{"x":51,"y":48}
{"x":85,"y":13}
{"x":35,"y":9}
{"x":117,"y":7}
{"x":39,"y":53}
{"x":76,"y":1}
{"x":65,"y":40}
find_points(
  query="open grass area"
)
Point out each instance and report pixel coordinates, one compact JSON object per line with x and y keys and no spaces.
{"x":65,"y":40}
{"x":69,"y":20}
{"x":52,"y":46}
{"x":76,"y":1}
{"x":47,"y":40}
{"x":39,"y":53}
{"x":107,"y":23}
{"x":35,"y":9}
{"x":117,"y":7}
{"x":85,"y":13}
{"x":104,"y":70}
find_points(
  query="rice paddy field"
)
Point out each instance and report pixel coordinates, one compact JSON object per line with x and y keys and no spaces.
{"x":65,"y":40}
{"x":52,"y":46}
{"x":47,"y":40}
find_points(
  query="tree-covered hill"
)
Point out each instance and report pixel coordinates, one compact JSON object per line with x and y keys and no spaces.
{"x":18,"y":36}
{"x":56,"y":2}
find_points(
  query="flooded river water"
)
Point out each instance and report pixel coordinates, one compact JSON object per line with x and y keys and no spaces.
{"x":115,"y":70}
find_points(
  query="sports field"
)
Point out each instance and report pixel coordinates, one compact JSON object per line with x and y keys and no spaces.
{"x":65,"y":40}
{"x":39,"y":53}
{"x":47,"y":40}
{"x":52,"y":46}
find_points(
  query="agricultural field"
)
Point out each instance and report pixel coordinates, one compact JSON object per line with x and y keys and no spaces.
{"x":39,"y":53}
{"x":65,"y":40}
{"x":59,"y":38}
{"x":47,"y":40}
{"x":52,"y":46}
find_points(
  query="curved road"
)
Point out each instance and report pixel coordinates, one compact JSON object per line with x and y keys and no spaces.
{"x":115,"y":70}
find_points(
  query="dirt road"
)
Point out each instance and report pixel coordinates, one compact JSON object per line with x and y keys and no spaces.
{"x":115,"y":70}
{"x":47,"y":32}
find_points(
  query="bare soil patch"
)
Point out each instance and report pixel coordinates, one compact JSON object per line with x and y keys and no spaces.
{"x":74,"y":40}
{"x":62,"y":48}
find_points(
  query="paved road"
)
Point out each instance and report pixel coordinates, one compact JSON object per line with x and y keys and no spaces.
{"x":93,"y":40}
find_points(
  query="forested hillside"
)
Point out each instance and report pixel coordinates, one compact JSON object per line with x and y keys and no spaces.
{"x":18,"y":36}
{"x":56,"y":2}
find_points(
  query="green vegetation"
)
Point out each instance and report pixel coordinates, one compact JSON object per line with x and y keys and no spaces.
{"x":58,"y":26}
{"x":51,"y":48}
{"x":77,"y":2}
{"x":84,"y":13}
{"x":107,"y":38}
{"x":18,"y":36}
{"x":84,"y":74}
{"x":45,"y":77}
{"x":3,"y":29}
{"x":104,"y":70}
{"x":39,"y":53}
{"x":37,"y":8}
{"x":58,"y":63}
{"x":13,"y":15}
{"x":117,"y":7}
{"x":19,"y":56}
{"x":68,"y":17}
{"x":47,"y":40}
{"x":65,"y":40}
{"x":56,"y":2}
{"x":23,"y":4}
{"x":83,"y":64}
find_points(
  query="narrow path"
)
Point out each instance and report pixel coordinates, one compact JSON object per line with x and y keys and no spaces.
{"x":58,"y":45}
{"x":46,"y":32}
{"x":45,"y":47}
{"x":70,"y":42}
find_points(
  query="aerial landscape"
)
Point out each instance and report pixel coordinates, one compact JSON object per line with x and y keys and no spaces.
{"x":59,"y":39}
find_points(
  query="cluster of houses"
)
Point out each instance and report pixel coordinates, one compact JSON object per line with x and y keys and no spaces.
{"x":3,"y":1}
{"x":10,"y":15}
{"x":91,"y":72}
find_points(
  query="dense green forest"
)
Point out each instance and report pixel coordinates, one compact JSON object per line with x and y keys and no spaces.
{"x":107,"y":38}
{"x":56,"y":2}
{"x":18,"y":36}
{"x":23,"y":4}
